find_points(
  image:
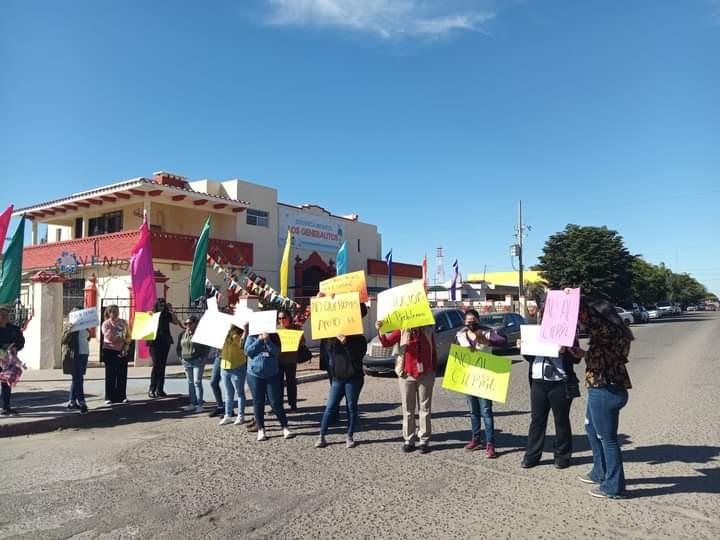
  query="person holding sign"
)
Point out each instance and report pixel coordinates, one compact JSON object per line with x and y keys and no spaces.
{"x":608,"y":382}
{"x":288,"y":361}
{"x":75,"y":353}
{"x":263,"y":377}
{"x":233,"y":363}
{"x":472,"y":336}
{"x":160,"y":347}
{"x":344,"y":355}
{"x":193,"y":356}
{"x":415,"y":368}
{"x":115,"y":342}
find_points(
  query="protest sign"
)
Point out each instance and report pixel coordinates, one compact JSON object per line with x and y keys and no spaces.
{"x":352,"y":282}
{"x":242,"y":316}
{"x":212,"y":304}
{"x":212,"y":329}
{"x":332,"y":316}
{"x":532,"y":346}
{"x":83,"y":319}
{"x":477,"y":374}
{"x":559,"y":320}
{"x":145,"y":325}
{"x":404,"y":307}
{"x":290,"y":339}
{"x":263,"y":322}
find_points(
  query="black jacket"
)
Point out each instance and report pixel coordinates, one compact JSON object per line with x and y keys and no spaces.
{"x":11,"y":335}
{"x":354,"y":349}
{"x":568,"y":361}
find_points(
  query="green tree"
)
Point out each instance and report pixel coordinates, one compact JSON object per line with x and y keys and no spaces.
{"x":685,"y":289}
{"x":649,"y":282}
{"x":593,"y":258}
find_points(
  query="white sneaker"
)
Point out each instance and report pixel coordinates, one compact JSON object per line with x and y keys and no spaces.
{"x":239,"y":421}
{"x":198,"y":408}
{"x":261,"y":435}
{"x":287,"y":434}
{"x":108,"y":402}
{"x":225,"y":421}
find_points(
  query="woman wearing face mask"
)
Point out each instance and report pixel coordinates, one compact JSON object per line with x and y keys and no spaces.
{"x":160,"y":347}
{"x":288,"y":361}
{"x":472,"y":336}
{"x":607,"y":381}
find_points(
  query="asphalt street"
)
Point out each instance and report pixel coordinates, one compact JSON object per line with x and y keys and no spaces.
{"x":170,"y":475}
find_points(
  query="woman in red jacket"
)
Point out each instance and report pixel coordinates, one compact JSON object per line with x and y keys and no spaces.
{"x":416,"y":376}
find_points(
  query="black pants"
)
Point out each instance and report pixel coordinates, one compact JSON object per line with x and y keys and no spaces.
{"x":288,"y":379}
{"x":546,"y":396}
{"x":159,"y":353}
{"x":6,"y":392}
{"x":116,"y":371}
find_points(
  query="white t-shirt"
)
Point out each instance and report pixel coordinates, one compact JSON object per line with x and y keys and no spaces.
{"x":538,"y":368}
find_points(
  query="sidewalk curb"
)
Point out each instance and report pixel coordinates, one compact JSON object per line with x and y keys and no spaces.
{"x":107,"y":416}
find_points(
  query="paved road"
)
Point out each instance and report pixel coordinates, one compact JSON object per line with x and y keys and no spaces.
{"x":170,"y":476}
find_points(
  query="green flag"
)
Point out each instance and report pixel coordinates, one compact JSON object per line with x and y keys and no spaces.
{"x":199,"y":265}
{"x":12,"y":267}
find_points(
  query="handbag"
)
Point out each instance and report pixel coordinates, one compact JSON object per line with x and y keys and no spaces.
{"x":304,"y":354}
{"x":572,"y":387}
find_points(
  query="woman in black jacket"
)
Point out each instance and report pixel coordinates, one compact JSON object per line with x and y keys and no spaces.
{"x":160,"y":347}
{"x":553,"y":385}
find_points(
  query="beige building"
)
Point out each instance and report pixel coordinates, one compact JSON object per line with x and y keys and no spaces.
{"x":90,"y":236}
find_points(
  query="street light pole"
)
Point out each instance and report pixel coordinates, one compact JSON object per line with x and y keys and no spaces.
{"x":521,"y":288}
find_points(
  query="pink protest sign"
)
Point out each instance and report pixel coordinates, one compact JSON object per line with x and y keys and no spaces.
{"x":560,"y":317}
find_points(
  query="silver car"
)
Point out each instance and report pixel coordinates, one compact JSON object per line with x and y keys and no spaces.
{"x":448,"y":321}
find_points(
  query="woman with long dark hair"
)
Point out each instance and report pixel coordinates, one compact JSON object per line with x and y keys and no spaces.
{"x":608,"y":382}
{"x":160,"y":347}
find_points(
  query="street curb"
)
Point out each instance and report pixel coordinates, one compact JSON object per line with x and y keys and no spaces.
{"x":109,"y":416}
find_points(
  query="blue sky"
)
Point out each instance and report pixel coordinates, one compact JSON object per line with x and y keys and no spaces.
{"x":429,"y":118}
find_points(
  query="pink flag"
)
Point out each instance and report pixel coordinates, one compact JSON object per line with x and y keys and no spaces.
{"x":143,"y":276}
{"x":4,"y":223}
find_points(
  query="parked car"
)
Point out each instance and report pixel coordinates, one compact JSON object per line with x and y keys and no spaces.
{"x":634,"y":309}
{"x":711,"y":307}
{"x":644,"y":317}
{"x":677,"y":309}
{"x":701,"y":307}
{"x":692,"y":307}
{"x":448,"y":321}
{"x":626,"y":316}
{"x":654,"y":312}
{"x":666,"y":309}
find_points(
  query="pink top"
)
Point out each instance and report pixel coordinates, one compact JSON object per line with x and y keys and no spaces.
{"x":114,"y":334}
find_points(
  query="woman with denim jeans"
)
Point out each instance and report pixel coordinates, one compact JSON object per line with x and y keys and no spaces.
{"x":472,"y":336}
{"x":263,"y":377}
{"x":193,"y":356}
{"x":215,"y":380}
{"x":233,"y":363}
{"x":608,"y":382}
{"x":345,"y":356}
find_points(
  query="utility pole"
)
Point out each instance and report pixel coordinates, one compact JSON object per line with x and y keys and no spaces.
{"x":520,"y":230}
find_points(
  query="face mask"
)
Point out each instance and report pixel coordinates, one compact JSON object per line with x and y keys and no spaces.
{"x":473,"y":326}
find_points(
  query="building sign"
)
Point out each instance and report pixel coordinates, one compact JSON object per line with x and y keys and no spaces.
{"x":68,"y":263}
{"x":310,"y":232}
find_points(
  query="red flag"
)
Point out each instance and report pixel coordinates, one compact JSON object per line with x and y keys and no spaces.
{"x":425,"y":273}
{"x":4,"y":224}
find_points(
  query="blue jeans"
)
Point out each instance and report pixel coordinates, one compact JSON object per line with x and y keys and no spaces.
{"x":77,"y":391}
{"x":234,"y":381}
{"x":351,"y":390}
{"x":272,"y":389}
{"x":481,"y":408}
{"x":194,"y":374}
{"x":215,"y":382}
{"x":601,"y":424}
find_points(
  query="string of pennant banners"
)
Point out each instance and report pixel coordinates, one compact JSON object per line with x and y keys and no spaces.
{"x":249,"y":283}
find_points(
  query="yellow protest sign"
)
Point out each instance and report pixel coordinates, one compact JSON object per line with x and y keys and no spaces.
{"x":145,"y":325}
{"x":332,"y":316}
{"x":404,"y":307}
{"x":477,"y":374}
{"x":352,"y":282}
{"x":289,"y":339}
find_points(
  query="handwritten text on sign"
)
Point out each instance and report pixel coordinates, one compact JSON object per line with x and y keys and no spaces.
{"x":477,"y":373}
{"x":83,"y":318}
{"x":332,"y":316}
{"x":289,"y":339}
{"x":404,"y":307}
{"x":559,"y":321}
{"x":354,"y":281}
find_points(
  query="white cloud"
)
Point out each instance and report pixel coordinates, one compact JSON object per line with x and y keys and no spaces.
{"x":386,"y":18}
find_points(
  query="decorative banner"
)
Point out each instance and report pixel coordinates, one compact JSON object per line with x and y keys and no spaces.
{"x":352,"y":282}
{"x":263,"y":321}
{"x":290,"y":339}
{"x":83,"y":319}
{"x":404,"y":307}
{"x":336,"y":315}
{"x":145,"y":325}
{"x":532,"y":346}
{"x":212,"y":329}
{"x":560,"y":317}
{"x":477,"y":373}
